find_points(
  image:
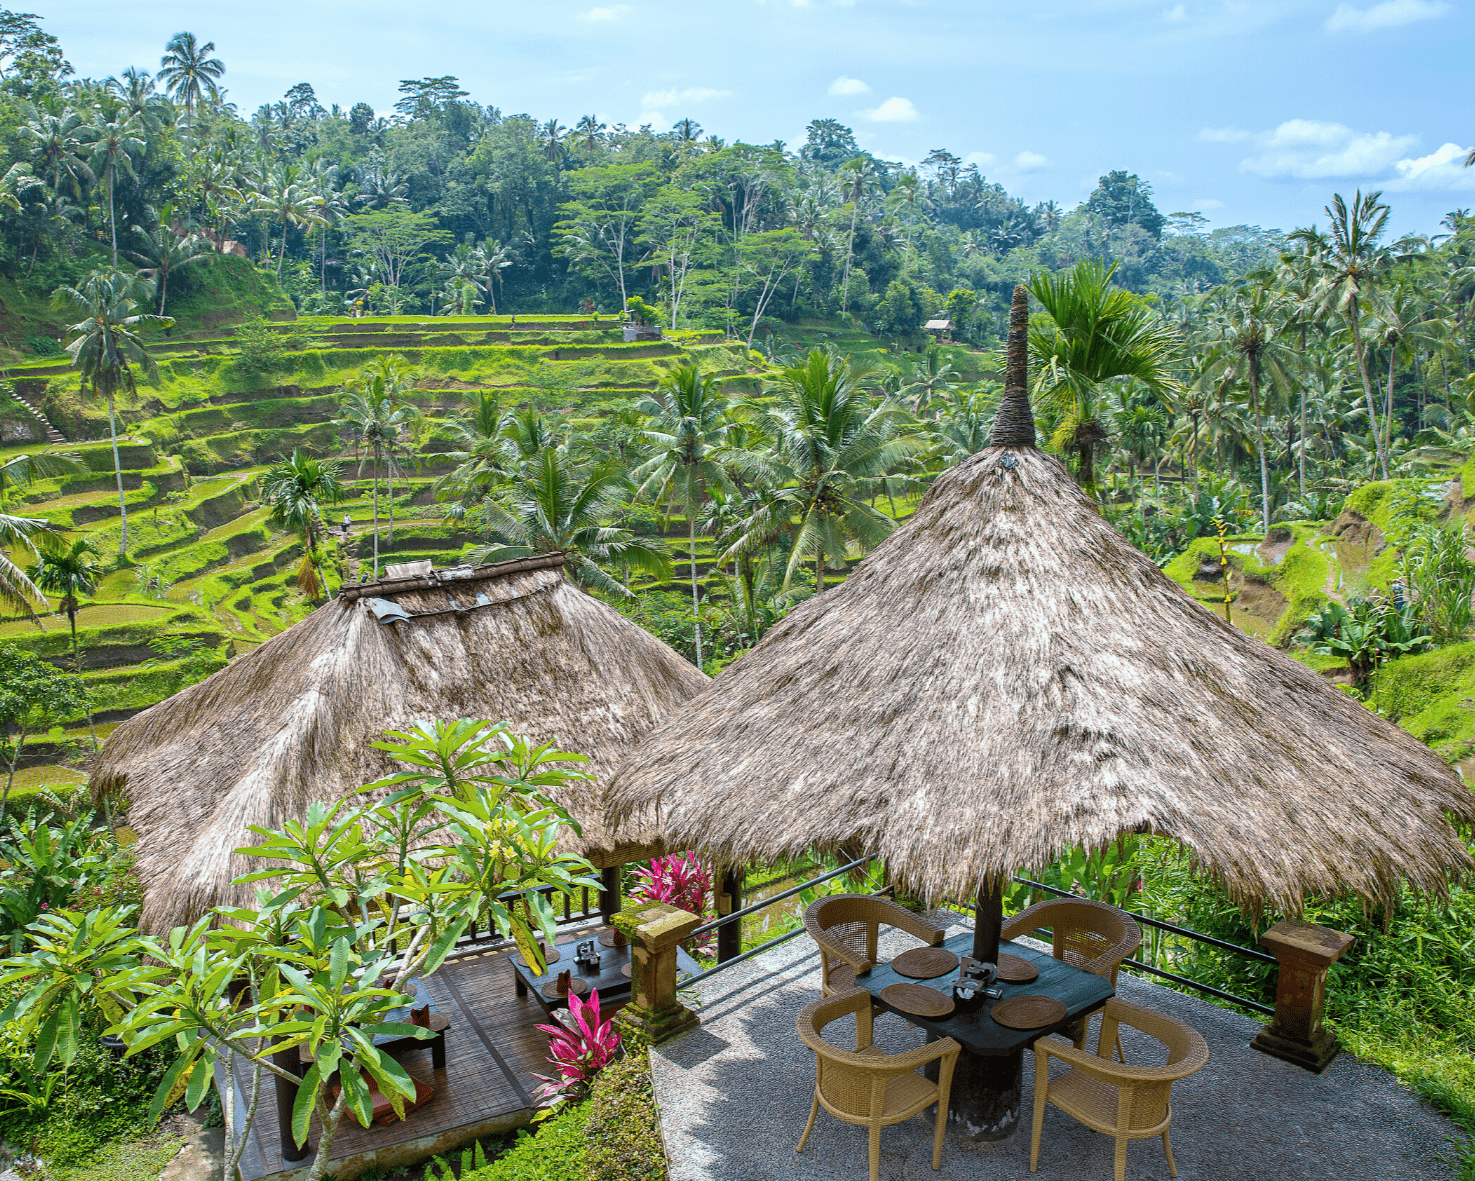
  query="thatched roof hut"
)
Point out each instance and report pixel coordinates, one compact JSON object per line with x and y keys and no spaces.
{"x":1005,"y":677}
{"x":293,"y":721}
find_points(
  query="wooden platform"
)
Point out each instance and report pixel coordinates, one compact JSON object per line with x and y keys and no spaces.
{"x":492,"y":1051}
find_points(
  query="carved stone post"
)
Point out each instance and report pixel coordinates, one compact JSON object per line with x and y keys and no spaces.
{"x":1304,"y":952}
{"x":655,"y":931}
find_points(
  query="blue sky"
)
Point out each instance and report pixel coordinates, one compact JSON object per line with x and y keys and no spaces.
{"x":1249,"y":111}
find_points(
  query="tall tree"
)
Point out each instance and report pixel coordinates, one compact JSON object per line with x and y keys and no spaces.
{"x":597,"y":232}
{"x":296,"y":489}
{"x":190,"y":74}
{"x":855,"y":182}
{"x":162,"y":252}
{"x":70,"y":571}
{"x":114,"y":143}
{"x":108,"y":348}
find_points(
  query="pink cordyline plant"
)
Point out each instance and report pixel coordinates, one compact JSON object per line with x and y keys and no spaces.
{"x":679,"y":879}
{"x":577,"y":1054}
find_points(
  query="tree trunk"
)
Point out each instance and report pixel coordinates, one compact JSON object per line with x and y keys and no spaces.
{"x":376,"y":512}
{"x":77,"y":669}
{"x":849,"y":254}
{"x":391,"y":498}
{"x":112,"y":220}
{"x":1388,"y":403}
{"x":15,"y":749}
{"x":163,"y":288}
{"x":1302,"y":457}
{"x":118,"y":472}
{"x":1367,"y":389}
{"x":1260,"y":446}
{"x":691,"y":534}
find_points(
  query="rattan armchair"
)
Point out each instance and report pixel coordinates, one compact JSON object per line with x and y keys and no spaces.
{"x":847,"y":926}
{"x":1128,"y":1102}
{"x":1087,"y":934}
{"x":869,"y":1087}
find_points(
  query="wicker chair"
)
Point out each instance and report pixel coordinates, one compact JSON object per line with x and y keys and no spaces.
{"x":1128,"y":1102}
{"x":847,"y":926}
{"x":867,"y":1086}
{"x":1090,"y":935}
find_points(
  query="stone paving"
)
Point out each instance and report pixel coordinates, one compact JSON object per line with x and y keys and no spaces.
{"x":735,"y":1093}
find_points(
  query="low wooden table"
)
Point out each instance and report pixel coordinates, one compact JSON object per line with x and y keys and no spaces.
{"x":610,"y":981}
{"x":984,"y":1103}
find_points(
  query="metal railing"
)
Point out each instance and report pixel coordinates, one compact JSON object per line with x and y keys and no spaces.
{"x":1249,"y":953}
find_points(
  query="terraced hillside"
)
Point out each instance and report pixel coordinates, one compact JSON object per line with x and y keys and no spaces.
{"x":206,"y":575}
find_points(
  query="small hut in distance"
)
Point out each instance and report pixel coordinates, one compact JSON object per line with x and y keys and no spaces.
{"x":294,"y":721}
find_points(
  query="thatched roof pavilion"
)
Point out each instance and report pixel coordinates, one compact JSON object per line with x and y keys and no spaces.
{"x":293,"y":721}
{"x":1005,"y":677}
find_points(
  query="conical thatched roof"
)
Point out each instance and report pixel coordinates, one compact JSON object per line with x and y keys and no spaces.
{"x":292,"y":721}
{"x":1004,"y":677}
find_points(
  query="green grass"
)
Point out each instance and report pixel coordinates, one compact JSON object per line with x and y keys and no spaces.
{"x":133,"y":1160}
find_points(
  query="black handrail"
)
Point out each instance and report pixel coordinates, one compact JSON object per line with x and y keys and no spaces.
{"x":757,"y":906}
{"x":1197,"y":936}
{"x":1208,"y":988}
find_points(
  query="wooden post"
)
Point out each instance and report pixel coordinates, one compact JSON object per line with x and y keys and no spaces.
{"x":730,"y":937}
{"x":655,"y":931}
{"x":1305,"y":952}
{"x":609,"y":892}
{"x":988,"y":919}
{"x":286,"y":1097}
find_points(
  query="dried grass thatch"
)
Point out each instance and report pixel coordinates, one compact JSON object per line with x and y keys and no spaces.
{"x":1005,"y":677}
{"x":292,"y":721}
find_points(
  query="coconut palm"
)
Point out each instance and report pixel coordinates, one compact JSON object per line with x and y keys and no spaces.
{"x":1096,"y":332}
{"x":1350,"y":260}
{"x":288,"y":203}
{"x":19,"y":470}
{"x":19,"y":535}
{"x":108,"y":348}
{"x":190,"y":74}
{"x":296,"y":489}
{"x":932,"y":376}
{"x":688,"y":428}
{"x":855,"y":181}
{"x":830,"y":443}
{"x":964,"y":425}
{"x":162,"y":252}
{"x":113,"y":143}
{"x":376,"y":424}
{"x":554,"y":507}
{"x":69,"y":570}
{"x":57,"y":150}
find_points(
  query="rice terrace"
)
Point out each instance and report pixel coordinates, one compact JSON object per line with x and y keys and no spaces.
{"x":634,"y":651}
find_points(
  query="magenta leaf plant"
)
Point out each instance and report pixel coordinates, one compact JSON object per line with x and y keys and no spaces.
{"x":679,"y":879}
{"x":579,"y":1053}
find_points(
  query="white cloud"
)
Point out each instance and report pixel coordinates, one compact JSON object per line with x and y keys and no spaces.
{"x":1176,"y":15}
{"x":1307,"y":149}
{"x":692,"y":94}
{"x":612,"y":13}
{"x":1208,"y":204}
{"x":1443,"y":168}
{"x":1385,"y":15}
{"x":982,"y":159}
{"x":1222,"y":135}
{"x":893,"y":110}
{"x":1030,"y":162}
{"x":844,"y":85}
{"x":654,"y":118}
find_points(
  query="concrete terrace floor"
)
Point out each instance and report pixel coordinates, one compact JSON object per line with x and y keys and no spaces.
{"x":734,"y":1096}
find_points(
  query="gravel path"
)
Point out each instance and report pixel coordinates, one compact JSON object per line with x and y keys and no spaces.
{"x":735,"y":1093}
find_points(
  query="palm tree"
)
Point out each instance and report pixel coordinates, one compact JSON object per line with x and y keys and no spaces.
{"x":1247,"y":329}
{"x":829,"y":443}
{"x":931,"y":377}
{"x":163,"y":252}
{"x":189,"y":73}
{"x":57,"y":150}
{"x":590,"y":132}
{"x":296,"y":489}
{"x":289,"y":203}
{"x":855,"y":180}
{"x":19,"y":470}
{"x":376,"y":424}
{"x":108,"y":347}
{"x":553,"y":507}
{"x":114,"y":143}
{"x":69,"y":571}
{"x":964,"y":426}
{"x":1350,"y":259}
{"x":1097,"y":332}
{"x":18,"y":535}
{"x":688,"y":428}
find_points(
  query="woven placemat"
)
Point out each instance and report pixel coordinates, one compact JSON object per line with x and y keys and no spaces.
{"x":923,"y":963}
{"x":551,"y":955}
{"x":625,"y":971}
{"x":1015,"y":969}
{"x":1028,"y":1012}
{"x":607,"y":938}
{"x":917,"y":999}
{"x":576,"y":986}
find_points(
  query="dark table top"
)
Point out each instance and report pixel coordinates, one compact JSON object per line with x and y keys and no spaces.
{"x":1080,"y":992}
{"x":610,"y":980}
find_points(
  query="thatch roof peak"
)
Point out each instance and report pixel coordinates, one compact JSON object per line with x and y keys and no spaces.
{"x":1014,"y":424}
{"x":293,"y":721}
{"x":1006,"y":676}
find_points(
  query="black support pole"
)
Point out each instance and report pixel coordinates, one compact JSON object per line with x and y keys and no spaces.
{"x":730,"y":937}
{"x":609,"y":892}
{"x":286,"y":1097}
{"x":988,"y":918}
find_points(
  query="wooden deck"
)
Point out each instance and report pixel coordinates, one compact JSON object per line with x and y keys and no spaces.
{"x":492,"y":1051}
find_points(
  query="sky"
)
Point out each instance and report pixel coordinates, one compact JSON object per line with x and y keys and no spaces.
{"x":1248,"y":111}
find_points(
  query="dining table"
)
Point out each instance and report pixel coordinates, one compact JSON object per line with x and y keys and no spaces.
{"x":611,"y":979}
{"x":989,"y":1076}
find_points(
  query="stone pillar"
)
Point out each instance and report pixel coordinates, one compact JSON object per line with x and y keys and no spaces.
{"x":655,"y":931}
{"x":1304,"y":952}
{"x":729,"y":899}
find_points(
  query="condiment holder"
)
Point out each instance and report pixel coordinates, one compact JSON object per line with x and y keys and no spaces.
{"x":586,"y":955}
{"x":974,"y":984}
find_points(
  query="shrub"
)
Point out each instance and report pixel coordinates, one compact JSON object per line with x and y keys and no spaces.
{"x":579,"y":1053}
{"x":555,"y":1153}
{"x":623,"y":1133}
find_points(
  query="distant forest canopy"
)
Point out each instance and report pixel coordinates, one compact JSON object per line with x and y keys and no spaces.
{"x":446,"y":205}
